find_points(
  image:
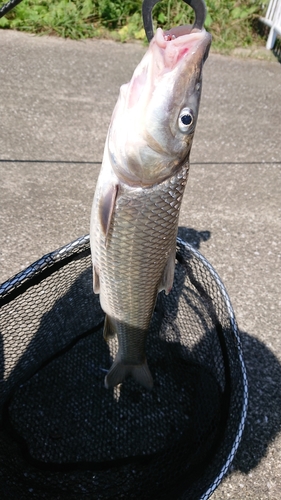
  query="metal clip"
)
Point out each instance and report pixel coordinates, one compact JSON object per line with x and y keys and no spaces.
{"x":197,"y":5}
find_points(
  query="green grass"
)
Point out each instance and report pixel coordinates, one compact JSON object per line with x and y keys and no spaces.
{"x":232,"y":23}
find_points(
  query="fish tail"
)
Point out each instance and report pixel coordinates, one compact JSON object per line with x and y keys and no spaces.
{"x":141,"y":374}
{"x":119,"y":371}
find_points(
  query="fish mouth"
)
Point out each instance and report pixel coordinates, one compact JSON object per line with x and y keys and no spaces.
{"x":180,"y":41}
{"x":187,"y":29}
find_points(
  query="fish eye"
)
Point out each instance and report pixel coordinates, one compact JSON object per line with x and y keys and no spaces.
{"x":185,"y":119}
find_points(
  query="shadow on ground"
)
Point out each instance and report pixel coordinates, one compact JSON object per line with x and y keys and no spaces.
{"x":264,"y":377}
{"x":264,"y":417}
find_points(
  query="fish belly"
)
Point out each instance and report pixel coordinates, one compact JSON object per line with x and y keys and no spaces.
{"x":135,"y":260}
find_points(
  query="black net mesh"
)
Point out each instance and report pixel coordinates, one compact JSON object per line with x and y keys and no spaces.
{"x":64,"y":436}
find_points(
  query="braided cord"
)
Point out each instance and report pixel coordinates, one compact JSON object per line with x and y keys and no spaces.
{"x":8,"y":6}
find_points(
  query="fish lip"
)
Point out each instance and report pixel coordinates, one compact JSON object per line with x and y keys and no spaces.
{"x":185,"y":41}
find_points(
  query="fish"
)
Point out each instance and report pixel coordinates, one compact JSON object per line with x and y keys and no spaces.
{"x":137,"y":200}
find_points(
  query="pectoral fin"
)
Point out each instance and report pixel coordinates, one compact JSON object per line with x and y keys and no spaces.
{"x":108,"y":330}
{"x":96,"y":280}
{"x":168,"y":273}
{"x":106,"y":208}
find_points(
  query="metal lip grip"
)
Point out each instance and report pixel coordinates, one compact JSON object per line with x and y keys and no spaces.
{"x":197,"y":5}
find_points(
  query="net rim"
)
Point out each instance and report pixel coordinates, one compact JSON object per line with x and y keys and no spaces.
{"x":235,"y":330}
{"x":57,"y":258}
{"x":60,"y":257}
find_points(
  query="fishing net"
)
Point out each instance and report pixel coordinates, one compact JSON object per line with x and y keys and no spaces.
{"x":64,"y":436}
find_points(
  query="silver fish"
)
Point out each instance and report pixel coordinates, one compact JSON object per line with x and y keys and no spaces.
{"x":139,"y":191}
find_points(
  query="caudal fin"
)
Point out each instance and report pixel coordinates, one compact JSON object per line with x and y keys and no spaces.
{"x":118,"y":372}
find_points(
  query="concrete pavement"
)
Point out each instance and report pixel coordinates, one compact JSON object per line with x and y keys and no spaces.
{"x":56,"y":99}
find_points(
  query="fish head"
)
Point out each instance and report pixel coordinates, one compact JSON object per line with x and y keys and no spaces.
{"x":153,"y":123}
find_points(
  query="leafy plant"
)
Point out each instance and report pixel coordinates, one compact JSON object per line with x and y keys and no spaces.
{"x":229,"y":21}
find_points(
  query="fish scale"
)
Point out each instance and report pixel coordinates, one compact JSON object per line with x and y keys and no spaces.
{"x":139,"y":223}
{"x":133,"y":257}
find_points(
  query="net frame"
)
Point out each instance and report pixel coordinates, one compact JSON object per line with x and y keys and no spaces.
{"x":48,"y":265}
